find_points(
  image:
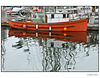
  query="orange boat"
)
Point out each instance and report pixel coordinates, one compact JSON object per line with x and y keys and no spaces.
{"x":79,"y":25}
{"x":62,"y":36}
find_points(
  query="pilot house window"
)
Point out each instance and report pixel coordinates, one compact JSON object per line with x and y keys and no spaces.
{"x":64,"y":15}
{"x":67,"y":15}
{"x":52,"y":15}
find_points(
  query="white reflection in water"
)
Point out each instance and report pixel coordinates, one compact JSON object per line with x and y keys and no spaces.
{"x":47,"y":54}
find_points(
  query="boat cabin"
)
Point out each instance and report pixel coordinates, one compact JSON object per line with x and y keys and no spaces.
{"x":57,"y":17}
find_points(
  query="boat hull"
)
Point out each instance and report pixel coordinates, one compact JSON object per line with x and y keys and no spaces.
{"x":79,"y":25}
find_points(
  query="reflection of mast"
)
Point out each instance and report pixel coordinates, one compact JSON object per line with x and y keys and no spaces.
{"x":57,"y":56}
{"x":3,"y":50}
{"x":52,"y":57}
{"x":69,"y":55}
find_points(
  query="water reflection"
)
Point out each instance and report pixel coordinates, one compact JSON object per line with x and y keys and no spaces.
{"x":62,"y":36}
{"x":3,"y":49}
{"x":50,"y":51}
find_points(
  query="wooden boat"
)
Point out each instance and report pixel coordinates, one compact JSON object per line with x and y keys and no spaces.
{"x":62,"y":36}
{"x":79,"y":25}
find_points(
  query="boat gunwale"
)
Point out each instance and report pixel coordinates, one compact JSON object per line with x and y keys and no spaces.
{"x":57,"y":23}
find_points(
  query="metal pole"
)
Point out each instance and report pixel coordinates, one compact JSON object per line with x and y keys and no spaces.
{"x":55,"y":9}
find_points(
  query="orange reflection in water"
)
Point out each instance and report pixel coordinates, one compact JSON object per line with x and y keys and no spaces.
{"x":62,"y":36}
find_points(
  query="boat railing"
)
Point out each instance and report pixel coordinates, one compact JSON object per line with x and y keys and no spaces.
{"x":71,"y":17}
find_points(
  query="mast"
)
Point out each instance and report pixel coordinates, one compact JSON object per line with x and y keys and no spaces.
{"x":45,"y":16}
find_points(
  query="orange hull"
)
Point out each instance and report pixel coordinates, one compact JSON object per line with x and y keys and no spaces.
{"x":62,"y":36}
{"x":79,"y":25}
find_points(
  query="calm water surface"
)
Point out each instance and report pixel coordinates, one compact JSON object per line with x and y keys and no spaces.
{"x":49,"y":51}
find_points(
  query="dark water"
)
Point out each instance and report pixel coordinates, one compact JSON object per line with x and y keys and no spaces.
{"x":49,"y":51}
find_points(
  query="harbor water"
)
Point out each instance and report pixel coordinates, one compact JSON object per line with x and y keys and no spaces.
{"x":49,"y":51}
